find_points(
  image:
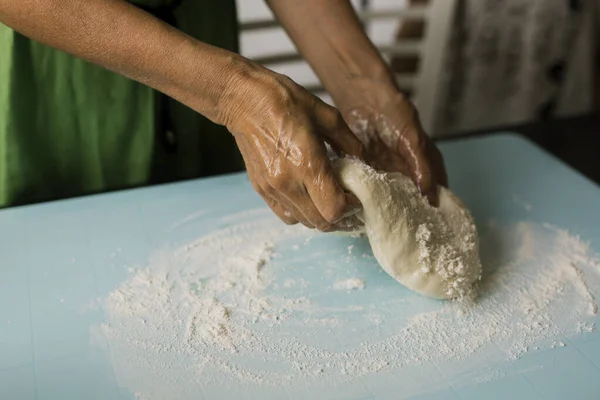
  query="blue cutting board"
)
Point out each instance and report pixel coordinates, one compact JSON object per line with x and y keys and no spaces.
{"x":58,"y":258}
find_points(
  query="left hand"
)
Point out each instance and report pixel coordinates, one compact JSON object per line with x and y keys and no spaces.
{"x":388,"y":125}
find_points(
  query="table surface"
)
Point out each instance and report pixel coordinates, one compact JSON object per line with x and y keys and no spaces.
{"x":59,"y":259}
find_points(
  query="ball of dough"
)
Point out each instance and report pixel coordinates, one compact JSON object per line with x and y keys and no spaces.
{"x":433,"y":251}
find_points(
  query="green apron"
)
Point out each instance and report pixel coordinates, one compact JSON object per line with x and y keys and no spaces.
{"x":68,"y":127}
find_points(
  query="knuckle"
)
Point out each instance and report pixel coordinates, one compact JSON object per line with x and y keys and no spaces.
{"x":284,"y":89}
{"x":288,"y":219}
{"x":308,"y":225}
{"x":284,"y":95}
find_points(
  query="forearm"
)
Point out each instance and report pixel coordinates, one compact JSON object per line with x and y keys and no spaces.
{"x":124,"y":39}
{"x":329,"y":35}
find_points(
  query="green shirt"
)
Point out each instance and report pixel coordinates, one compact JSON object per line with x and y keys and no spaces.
{"x":68,"y":127}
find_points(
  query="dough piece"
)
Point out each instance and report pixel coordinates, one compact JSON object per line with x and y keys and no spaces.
{"x":433,"y":251}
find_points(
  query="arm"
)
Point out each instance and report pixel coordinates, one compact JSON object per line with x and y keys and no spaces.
{"x":331,"y":38}
{"x":279,"y":127}
{"x":122,"y":38}
{"x":329,"y":35}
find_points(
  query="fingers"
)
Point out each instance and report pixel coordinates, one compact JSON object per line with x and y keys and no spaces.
{"x":291,"y":195}
{"x":415,"y":147}
{"x":309,"y":212}
{"x":287,"y":161}
{"x":294,"y":206}
{"x":320,"y":202}
{"x":312,"y":193}
{"x":424,"y":178}
{"x":309,"y":215}
{"x":290,"y":202}
{"x":352,"y":204}
{"x":335,"y":132}
{"x":274,"y":190}
{"x":325,"y":192}
{"x":438,"y":175}
{"x":285,"y":215}
{"x":437,"y":162}
{"x":437,"y":171}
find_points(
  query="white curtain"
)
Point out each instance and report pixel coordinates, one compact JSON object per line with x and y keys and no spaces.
{"x":515,"y":61}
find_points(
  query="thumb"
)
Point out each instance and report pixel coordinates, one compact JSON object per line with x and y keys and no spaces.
{"x":339,"y":136}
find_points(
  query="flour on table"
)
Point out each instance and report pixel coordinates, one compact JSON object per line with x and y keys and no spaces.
{"x":349,"y":284}
{"x":522,"y":203}
{"x":224,"y":312}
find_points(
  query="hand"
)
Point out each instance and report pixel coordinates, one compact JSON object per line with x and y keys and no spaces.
{"x":330,"y":36}
{"x":388,"y":125}
{"x":280,"y":129}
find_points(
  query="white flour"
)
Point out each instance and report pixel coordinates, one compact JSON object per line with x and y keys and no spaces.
{"x":349,"y":284}
{"x":224,"y":310}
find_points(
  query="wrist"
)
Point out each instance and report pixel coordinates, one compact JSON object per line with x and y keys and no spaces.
{"x":212,"y":81}
{"x":353,"y":72}
{"x":256,"y":97}
{"x":367,"y":92}
{"x":242,"y":95}
{"x":234,"y":97}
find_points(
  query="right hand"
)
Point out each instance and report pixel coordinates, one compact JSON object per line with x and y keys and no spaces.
{"x":281,"y":130}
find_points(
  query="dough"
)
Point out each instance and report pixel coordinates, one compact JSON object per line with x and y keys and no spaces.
{"x":433,"y":251}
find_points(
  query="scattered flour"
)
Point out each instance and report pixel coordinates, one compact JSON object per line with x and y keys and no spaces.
{"x":223,"y":312}
{"x":522,"y":203}
{"x":349,"y":284}
{"x":188,"y":219}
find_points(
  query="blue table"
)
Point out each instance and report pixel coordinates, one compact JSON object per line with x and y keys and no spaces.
{"x":60,"y":261}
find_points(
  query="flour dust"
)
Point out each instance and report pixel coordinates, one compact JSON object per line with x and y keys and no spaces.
{"x":255,"y":307}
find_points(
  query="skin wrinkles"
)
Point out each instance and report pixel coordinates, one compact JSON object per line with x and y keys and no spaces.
{"x":282,"y":136}
{"x":279,"y":127}
{"x":287,"y":139}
